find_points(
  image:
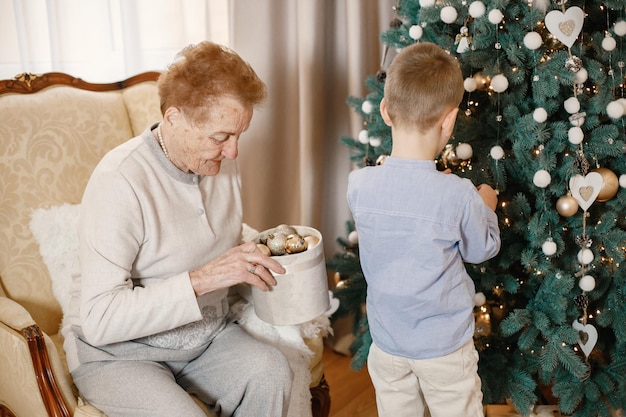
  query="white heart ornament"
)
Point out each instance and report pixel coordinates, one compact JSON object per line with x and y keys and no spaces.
{"x":587,"y":336}
{"x":586,"y":189}
{"x":334,"y":304}
{"x":566,"y":26}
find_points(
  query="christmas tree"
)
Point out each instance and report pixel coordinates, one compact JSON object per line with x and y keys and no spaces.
{"x":543,"y":122}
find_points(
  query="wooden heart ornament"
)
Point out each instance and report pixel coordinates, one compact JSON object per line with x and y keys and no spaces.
{"x":566,"y":26}
{"x":587,"y":336}
{"x":586,"y":189}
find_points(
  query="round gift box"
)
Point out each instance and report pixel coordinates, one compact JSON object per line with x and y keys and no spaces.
{"x":301,"y":293}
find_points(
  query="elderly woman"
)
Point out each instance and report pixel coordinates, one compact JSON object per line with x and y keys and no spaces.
{"x":160,"y":233}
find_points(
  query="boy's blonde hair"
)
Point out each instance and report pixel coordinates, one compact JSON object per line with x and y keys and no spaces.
{"x":422,"y":83}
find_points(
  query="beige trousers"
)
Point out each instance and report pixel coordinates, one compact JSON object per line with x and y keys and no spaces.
{"x":448,"y":386}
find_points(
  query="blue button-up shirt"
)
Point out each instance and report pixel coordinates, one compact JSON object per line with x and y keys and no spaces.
{"x":416,"y":228}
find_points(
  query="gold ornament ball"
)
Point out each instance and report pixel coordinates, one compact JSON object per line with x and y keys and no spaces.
{"x":482,"y":81}
{"x":498,"y":312}
{"x":567,"y":206}
{"x":482,"y":328}
{"x":295,"y":244}
{"x":263,"y":248}
{"x":311,"y":241}
{"x":610,"y":184}
{"x":342,"y":285}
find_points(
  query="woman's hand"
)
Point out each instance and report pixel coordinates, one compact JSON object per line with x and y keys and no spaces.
{"x":242,"y":264}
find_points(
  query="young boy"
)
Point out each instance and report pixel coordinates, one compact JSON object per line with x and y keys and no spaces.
{"x":417,"y":226}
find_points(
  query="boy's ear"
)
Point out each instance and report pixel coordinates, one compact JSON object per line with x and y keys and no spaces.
{"x":383,"y":112}
{"x":449,"y":121}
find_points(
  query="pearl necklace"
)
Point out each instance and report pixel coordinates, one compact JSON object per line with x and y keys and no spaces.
{"x":160,"y":137}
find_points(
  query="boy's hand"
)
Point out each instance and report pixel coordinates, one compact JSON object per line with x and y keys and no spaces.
{"x":489,"y":196}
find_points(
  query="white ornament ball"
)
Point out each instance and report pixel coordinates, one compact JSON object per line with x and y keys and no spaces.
{"x":540,"y":115}
{"x":585,"y":256}
{"x":364,"y":137}
{"x":464,"y":151}
{"x":615,"y":110}
{"x":470,"y":84}
{"x":620,"y":28}
{"x":572,"y":105}
{"x":608,"y":43}
{"x":542,"y":178}
{"x":495,"y":16}
{"x":532,"y":40}
{"x":497,"y":152}
{"x":499,"y":83}
{"x":375,"y":142}
{"x":367,"y":107}
{"x":416,"y":32}
{"x":575,"y":135}
{"x":587,"y":283}
{"x":427,"y":3}
{"x":353,"y":237}
{"x":622,"y":180}
{"x":548,"y":247}
{"x":477,"y":9}
{"x":479,"y":299}
{"x":448,"y":14}
{"x":581,"y":76}
{"x":622,"y":101}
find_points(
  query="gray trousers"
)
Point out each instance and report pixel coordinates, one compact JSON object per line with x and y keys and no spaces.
{"x":236,"y":375}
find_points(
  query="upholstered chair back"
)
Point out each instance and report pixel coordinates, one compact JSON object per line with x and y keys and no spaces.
{"x":49,"y":144}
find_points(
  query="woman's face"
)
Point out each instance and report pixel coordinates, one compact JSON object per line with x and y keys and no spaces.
{"x":200,"y":147}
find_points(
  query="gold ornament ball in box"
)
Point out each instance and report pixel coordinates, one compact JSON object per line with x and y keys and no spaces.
{"x":567,"y":206}
{"x":610,"y":184}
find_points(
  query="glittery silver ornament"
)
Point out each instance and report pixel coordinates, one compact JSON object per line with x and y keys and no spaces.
{"x":276,"y":243}
{"x":286,"y":229}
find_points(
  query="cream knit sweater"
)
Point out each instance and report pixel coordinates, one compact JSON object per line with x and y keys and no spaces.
{"x":144,"y":224}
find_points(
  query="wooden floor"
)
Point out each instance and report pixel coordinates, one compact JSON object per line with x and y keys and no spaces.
{"x":351,"y":392}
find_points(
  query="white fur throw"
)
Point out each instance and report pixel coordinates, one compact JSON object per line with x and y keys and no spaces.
{"x":55,"y":229}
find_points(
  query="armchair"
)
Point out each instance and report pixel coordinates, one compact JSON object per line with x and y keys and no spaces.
{"x":54,"y":128}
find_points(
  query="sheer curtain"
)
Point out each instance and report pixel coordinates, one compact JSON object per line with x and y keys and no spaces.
{"x":312,"y":54}
{"x":103,"y":40}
